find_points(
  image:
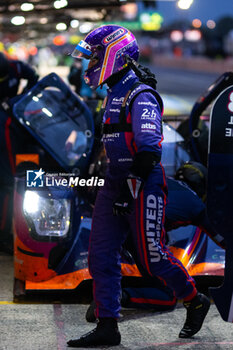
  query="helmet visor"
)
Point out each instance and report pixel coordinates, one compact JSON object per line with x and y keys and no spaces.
{"x":82,"y":50}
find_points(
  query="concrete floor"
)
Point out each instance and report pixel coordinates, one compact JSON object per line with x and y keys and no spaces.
{"x":43,"y":325}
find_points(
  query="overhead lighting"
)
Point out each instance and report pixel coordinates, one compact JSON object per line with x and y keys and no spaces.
{"x":18,"y":20}
{"x":184,"y":4}
{"x":74,"y":23}
{"x":59,"y":4}
{"x":27,"y":6}
{"x":86,"y":27}
{"x":12,"y":8}
{"x":44,"y":20}
{"x":89,"y":14}
{"x":61,"y":26}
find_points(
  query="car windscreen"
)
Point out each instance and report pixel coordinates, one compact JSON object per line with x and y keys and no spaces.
{"x":174,"y":153}
{"x":59,"y":120}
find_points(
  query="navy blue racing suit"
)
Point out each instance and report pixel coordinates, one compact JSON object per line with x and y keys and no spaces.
{"x":146,"y":222}
{"x":184,"y":208}
{"x":9,"y":87}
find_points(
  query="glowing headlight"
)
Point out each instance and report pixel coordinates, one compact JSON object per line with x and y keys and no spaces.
{"x":50,"y":216}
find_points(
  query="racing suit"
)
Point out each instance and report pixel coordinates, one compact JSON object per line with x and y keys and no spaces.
{"x":146,"y":221}
{"x":186,"y":208}
{"x":9,"y":87}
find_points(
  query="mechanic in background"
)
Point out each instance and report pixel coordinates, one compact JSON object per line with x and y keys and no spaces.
{"x":186,"y":201}
{"x":75,"y":75}
{"x":11,"y":73}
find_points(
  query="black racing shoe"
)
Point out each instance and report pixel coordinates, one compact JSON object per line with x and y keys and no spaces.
{"x":197,"y":310}
{"x":106,"y":333}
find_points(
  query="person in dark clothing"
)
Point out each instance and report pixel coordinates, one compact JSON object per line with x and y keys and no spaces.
{"x":186,"y":201}
{"x":11,"y":73}
{"x":135,"y":191}
{"x":75,"y":75}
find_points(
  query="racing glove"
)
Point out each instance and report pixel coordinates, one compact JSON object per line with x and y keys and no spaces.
{"x":130,"y":190}
{"x":141,"y":168}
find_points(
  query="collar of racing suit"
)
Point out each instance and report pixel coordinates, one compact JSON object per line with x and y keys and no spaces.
{"x":115,"y":78}
{"x":124,"y":84}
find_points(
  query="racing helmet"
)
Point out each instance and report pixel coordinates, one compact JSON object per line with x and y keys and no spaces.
{"x":4,"y":67}
{"x":106,"y":47}
{"x":195,"y":175}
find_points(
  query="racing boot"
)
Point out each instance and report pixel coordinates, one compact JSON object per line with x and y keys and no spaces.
{"x":106,"y":333}
{"x":197,"y":309}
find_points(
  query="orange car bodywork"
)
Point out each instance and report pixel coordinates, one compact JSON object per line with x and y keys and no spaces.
{"x":37,"y":276}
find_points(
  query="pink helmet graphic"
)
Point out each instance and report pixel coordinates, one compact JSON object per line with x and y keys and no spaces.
{"x":106,"y":47}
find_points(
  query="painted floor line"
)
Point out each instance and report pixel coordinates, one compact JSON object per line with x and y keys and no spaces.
{"x":192,"y":343}
{"x":6,"y":302}
{"x":60,"y":331}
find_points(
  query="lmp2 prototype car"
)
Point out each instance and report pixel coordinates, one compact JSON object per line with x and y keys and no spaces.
{"x":59,"y":140}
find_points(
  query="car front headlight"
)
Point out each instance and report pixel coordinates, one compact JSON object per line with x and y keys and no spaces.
{"x":50,"y":217}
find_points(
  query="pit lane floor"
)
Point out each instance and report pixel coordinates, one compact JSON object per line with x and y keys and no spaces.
{"x":43,"y":325}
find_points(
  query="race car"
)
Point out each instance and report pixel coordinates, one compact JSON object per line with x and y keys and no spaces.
{"x":55,"y":188}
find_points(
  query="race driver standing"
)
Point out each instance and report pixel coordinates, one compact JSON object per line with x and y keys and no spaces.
{"x":135,"y":191}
